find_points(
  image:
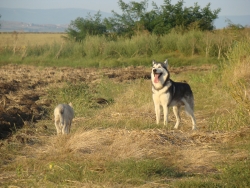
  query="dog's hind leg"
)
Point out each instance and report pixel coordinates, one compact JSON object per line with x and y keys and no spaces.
{"x":176,"y":110}
{"x":190,"y":112}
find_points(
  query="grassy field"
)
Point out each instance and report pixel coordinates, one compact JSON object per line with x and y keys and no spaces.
{"x":117,"y":143}
{"x":29,"y":39}
{"x":100,"y":51}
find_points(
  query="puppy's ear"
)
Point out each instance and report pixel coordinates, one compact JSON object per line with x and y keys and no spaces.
{"x":166,"y":63}
{"x":71,"y":104}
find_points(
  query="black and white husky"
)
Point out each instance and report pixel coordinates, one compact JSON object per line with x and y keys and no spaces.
{"x":167,"y":93}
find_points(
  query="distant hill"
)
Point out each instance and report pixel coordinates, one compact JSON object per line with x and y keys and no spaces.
{"x":9,"y":26}
{"x":242,"y":20}
{"x":41,"y":20}
{"x":46,"y":16}
{"x":57,"y":20}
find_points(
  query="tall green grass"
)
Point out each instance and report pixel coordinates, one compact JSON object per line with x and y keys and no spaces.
{"x":100,"y":51}
{"x":190,"y":43}
{"x":236,"y":78}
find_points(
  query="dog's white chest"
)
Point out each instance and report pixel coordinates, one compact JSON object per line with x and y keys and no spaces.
{"x":162,"y":99}
{"x":162,"y":96}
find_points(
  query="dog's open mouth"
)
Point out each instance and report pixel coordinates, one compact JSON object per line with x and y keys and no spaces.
{"x":157,"y":76}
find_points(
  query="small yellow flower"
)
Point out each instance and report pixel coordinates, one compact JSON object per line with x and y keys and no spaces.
{"x":51,"y":166}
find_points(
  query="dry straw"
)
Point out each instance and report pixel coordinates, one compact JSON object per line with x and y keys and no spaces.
{"x":188,"y":151}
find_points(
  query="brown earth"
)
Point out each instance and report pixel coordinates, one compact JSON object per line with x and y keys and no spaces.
{"x":23,"y":87}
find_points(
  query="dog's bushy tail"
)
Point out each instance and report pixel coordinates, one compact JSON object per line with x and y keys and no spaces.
{"x":191,"y":101}
{"x":190,"y":97}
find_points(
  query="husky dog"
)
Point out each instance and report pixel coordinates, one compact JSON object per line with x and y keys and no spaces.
{"x":64,"y":114}
{"x":168,"y":93}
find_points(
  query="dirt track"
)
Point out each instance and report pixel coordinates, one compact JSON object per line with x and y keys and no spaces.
{"x":22,"y":88}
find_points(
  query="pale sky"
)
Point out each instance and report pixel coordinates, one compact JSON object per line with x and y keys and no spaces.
{"x":228,"y":7}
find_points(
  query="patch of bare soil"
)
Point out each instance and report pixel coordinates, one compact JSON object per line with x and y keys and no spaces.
{"x":22,"y":88}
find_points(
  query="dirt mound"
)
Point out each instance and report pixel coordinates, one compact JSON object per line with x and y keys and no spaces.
{"x":16,"y":107}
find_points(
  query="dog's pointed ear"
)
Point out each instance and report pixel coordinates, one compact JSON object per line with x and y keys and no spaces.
{"x":166,"y":63}
{"x":153,"y":62}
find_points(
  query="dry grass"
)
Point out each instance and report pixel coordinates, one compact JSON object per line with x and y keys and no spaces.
{"x":190,"y":152}
{"x":23,"y":40}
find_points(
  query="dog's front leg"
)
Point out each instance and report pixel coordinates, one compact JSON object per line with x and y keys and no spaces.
{"x":165,"y":114}
{"x":157,"y":113}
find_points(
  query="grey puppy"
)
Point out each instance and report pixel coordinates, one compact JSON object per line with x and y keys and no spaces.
{"x":64,"y":115}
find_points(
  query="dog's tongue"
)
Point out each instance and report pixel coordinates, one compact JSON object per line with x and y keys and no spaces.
{"x":156,"y":80}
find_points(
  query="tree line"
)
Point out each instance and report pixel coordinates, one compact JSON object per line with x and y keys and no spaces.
{"x":135,"y":18}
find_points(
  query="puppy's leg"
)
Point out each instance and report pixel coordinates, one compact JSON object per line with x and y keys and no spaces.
{"x":165,"y":114}
{"x":69,"y":127}
{"x":65,"y":128}
{"x":176,"y":110}
{"x":58,"y":126}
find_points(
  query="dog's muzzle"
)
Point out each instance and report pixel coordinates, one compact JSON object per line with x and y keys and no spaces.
{"x":156,"y":76}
